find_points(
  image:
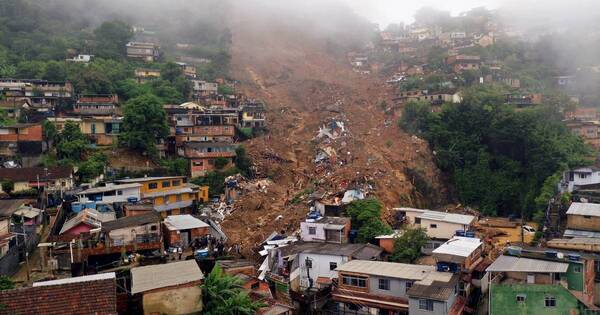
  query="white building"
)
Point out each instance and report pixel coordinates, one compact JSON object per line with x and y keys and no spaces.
{"x":111,"y":193}
{"x":578,"y":177}
{"x":439,"y":225}
{"x":325,"y":229}
{"x":81,"y":58}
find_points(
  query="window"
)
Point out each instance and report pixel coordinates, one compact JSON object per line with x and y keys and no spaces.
{"x":312,"y":230}
{"x":178,"y":198}
{"x":576,"y":268}
{"x":521,"y":298}
{"x":384,"y":284}
{"x":152,"y":185}
{"x":550,"y":301}
{"x":176,"y":182}
{"x":153,"y":228}
{"x":166,"y":184}
{"x":417,"y":220}
{"x":332,"y":265}
{"x":433,"y":226}
{"x":119,"y":193}
{"x":408,"y":285}
{"x":355,"y":281}
{"x":426,"y":305}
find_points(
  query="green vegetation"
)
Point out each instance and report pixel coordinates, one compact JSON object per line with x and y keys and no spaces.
{"x":500,"y":159}
{"x":144,"y":123}
{"x":6,"y":283}
{"x":407,"y":247}
{"x":223,"y":294}
{"x":8,"y":186}
{"x":366,"y":218}
{"x":92,"y":167}
{"x":243,"y":162}
{"x":71,"y":143}
{"x":176,"y":166}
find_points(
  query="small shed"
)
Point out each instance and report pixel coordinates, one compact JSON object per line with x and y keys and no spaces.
{"x":181,"y":230}
{"x":169,"y":288}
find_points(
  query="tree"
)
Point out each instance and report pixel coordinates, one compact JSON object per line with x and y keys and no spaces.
{"x":92,"y":167}
{"x":111,"y":38}
{"x":242,"y":161}
{"x":407,"y":247}
{"x":6,"y":283}
{"x":8,"y":186}
{"x":221,"y":162}
{"x":222,"y":294}
{"x":72,"y":143}
{"x":54,"y":71}
{"x":50,"y":132}
{"x":144,"y":123}
{"x":170,"y":71}
{"x":366,"y":218}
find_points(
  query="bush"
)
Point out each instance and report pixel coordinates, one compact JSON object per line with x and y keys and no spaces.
{"x":366,"y":218}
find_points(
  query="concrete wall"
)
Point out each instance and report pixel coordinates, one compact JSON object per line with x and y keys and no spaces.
{"x":439,"y":307}
{"x":444,"y":230}
{"x":128,"y":235}
{"x":579,"y":222}
{"x":397,"y":287}
{"x":504,"y":299}
{"x":320,"y":267}
{"x":179,"y":300}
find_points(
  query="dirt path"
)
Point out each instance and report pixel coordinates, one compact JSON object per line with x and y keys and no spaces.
{"x":304,"y":87}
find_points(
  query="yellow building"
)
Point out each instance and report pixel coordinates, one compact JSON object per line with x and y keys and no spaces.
{"x":171,"y":194}
{"x":102,"y":130}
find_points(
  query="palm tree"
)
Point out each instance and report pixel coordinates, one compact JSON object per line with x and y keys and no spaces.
{"x":223,"y":294}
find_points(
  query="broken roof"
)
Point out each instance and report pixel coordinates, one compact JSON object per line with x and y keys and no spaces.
{"x":387,"y":269}
{"x":588,"y":209}
{"x":459,"y":246}
{"x":9,"y":206}
{"x":88,"y":216}
{"x":183,"y":222}
{"x":130,"y":221}
{"x":165,"y":275}
{"x":519,"y":264}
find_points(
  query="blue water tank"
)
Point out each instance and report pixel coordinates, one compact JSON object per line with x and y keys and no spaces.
{"x":132,"y":199}
{"x":98,"y":198}
{"x":470,"y":234}
{"x":460,"y":233}
{"x":551,"y":253}
{"x":76,"y":207}
{"x":574,"y":257}
{"x":514,"y":250}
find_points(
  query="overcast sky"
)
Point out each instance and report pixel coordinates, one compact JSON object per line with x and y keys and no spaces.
{"x":385,"y":12}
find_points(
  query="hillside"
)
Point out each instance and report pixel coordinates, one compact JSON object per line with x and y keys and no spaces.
{"x":305,"y":86}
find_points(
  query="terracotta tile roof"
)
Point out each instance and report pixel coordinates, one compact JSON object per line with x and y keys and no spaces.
{"x":87,"y":296}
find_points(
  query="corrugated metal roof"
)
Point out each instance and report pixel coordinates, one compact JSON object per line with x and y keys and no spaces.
{"x":581,"y":233}
{"x":96,"y":190}
{"x":160,"y":276}
{"x":387,"y":269}
{"x":183,"y":222}
{"x":580,"y":208}
{"x":447,"y":217}
{"x":459,"y":246}
{"x":520,"y":264}
{"x":173,"y":205}
{"x":575,"y":241}
{"x":100,"y":276}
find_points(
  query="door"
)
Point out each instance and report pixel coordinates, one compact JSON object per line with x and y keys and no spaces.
{"x":185,"y":239}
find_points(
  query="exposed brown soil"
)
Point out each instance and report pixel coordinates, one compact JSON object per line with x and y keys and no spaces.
{"x":304,"y":86}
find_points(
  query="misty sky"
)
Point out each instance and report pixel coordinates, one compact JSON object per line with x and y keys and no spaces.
{"x":385,"y":12}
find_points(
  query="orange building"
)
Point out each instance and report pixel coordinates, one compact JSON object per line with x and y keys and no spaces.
{"x":171,"y":194}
